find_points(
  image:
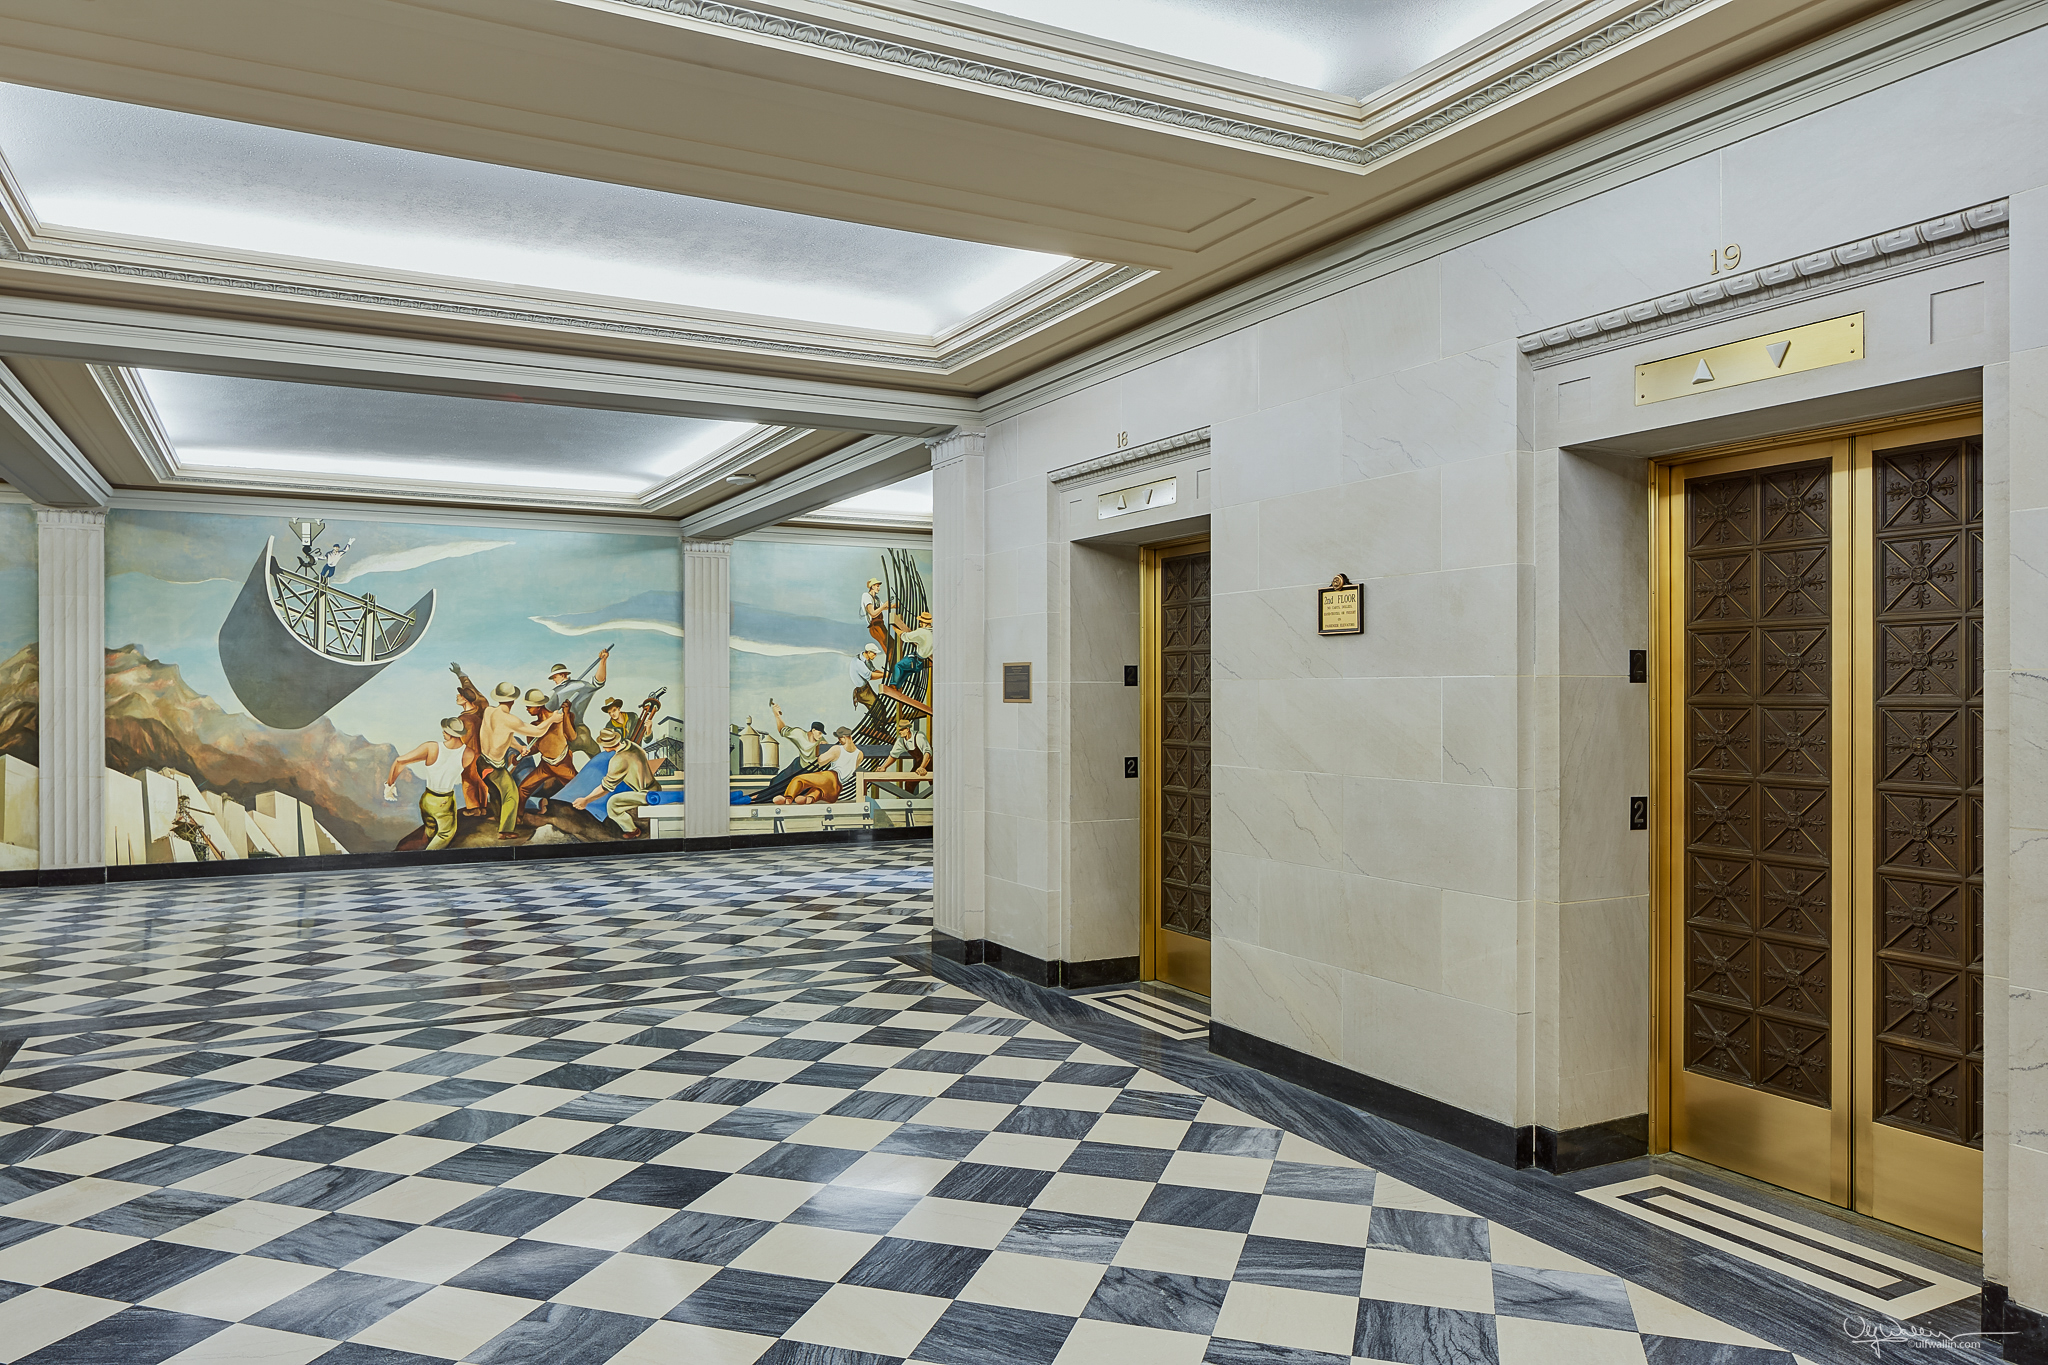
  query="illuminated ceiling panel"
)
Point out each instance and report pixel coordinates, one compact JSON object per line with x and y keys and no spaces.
{"x":315,"y":430}
{"x":122,"y":168}
{"x":1344,"y":47}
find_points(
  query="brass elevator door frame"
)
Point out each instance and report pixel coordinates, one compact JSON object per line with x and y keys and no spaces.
{"x":1163,"y":955}
{"x":1839,"y":1153}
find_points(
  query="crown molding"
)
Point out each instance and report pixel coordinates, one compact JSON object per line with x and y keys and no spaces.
{"x":1567,"y":50}
{"x":28,"y":242}
{"x":1880,"y":256}
{"x":1896,"y":43}
{"x":412,"y":513}
{"x":132,"y":408}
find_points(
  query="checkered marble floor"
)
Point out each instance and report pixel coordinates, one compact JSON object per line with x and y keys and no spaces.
{"x":320,"y":946}
{"x":861,"y":1167}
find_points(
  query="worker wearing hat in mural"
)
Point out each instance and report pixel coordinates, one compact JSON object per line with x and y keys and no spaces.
{"x":865,"y":671}
{"x":628,"y":777}
{"x":876,"y":612}
{"x":547,"y":768}
{"x":573,"y":694}
{"x":498,"y":751}
{"x":440,"y":765}
{"x":833,"y":780}
{"x":616,"y":718}
{"x":917,"y":651}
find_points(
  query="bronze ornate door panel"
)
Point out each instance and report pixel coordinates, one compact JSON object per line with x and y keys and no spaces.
{"x":1175,"y":767}
{"x":1819,"y":862}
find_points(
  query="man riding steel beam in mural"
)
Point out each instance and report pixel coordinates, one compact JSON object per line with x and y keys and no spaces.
{"x":498,"y":751}
{"x":442,"y":764}
{"x":876,"y":612}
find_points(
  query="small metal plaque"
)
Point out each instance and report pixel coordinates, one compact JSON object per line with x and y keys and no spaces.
{"x":1341,"y":608}
{"x":1016,"y":682}
{"x":1812,"y":347}
{"x":1144,"y":497}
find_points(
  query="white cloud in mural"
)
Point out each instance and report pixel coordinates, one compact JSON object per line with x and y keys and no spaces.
{"x":397,"y":561}
{"x":562,"y":626}
{"x":775,"y":651}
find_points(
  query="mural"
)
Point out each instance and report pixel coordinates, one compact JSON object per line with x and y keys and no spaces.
{"x":831,"y":686}
{"x":302,"y":686}
{"x":18,"y":756}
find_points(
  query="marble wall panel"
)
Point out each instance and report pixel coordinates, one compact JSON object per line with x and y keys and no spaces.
{"x":1480,"y":950}
{"x":1283,"y":999}
{"x":1635,"y":241}
{"x":1018,"y":916}
{"x":1383,"y":325}
{"x":1271,"y":813}
{"x":1603,"y":1028}
{"x":1482,"y":731}
{"x":1604,"y":759}
{"x":1454,"y":409}
{"x":1373,"y":528}
{"x":1927,"y":145}
{"x":1484,"y":503}
{"x":1101,"y":874}
{"x":1234,"y":909}
{"x":2028,"y":291}
{"x":2026,"y":1024}
{"x":1204,"y":386}
{"x":1294,"y":448}
{"x":1447,"y":1049}
{"x":1017,"y":843}
{"x":1602,"y":571}
{"x":1460,"y":838}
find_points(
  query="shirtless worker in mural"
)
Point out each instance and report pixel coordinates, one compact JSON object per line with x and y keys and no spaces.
{"x":498,"y":750}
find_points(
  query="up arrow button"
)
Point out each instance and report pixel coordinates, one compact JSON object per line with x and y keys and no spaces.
{"x":1703,"y":375}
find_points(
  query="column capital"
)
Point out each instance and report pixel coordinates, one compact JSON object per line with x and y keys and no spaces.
{"x":72,"y":518}
{"x":706,"y":547}
{"x":958,"y":444}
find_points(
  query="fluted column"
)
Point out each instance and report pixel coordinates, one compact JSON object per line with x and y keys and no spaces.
{"x":707,"y":687}
{"x":71,"y":686}
{"x":960,"y":691}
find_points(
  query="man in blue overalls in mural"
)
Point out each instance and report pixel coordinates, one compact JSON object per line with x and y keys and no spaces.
{"x":917,"y":651}
{"x":331,"y":561}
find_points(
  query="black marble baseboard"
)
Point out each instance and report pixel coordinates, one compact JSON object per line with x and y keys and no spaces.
{"x":1490,"y":1138}
{"x":1073,"y":976}
{"x":2020,"y":1331}
{"x":347,"y":862}
{"x":1596,"y":1144}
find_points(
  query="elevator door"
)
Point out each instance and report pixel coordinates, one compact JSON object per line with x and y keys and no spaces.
{"x":1820,"y":861}
{"x":1175,"y":768}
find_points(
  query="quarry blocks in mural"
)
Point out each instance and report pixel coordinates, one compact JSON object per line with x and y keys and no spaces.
{"x":263,"y":700}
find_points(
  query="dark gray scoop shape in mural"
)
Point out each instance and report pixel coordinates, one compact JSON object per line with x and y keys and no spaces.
{"x":295,"y":645}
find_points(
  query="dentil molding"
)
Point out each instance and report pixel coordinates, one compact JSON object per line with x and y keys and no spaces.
{"x":1151,"y":453}
{"x":866,"y":47}
{"x":1953,"y":236}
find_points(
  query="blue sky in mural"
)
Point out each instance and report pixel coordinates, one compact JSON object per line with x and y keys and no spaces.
{"x":510,"y":603}
{"x":796,"y":625}
{"x":17,"y":577}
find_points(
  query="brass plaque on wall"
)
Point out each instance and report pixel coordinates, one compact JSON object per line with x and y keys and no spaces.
{"x":1340,"y":608}
{"x":1812,"y":347}
{"x":1016,"y":682}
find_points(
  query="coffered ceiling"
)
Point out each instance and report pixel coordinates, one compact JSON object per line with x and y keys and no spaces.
{"x":1344,"y":47}
{"x":815,"y":217}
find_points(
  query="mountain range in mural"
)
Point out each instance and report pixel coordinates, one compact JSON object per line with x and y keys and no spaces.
{"x":18,"y":706}
{"x":154,"y":720}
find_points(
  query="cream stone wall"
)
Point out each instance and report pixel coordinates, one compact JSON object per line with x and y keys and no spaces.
{"x":1423,"y":870}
